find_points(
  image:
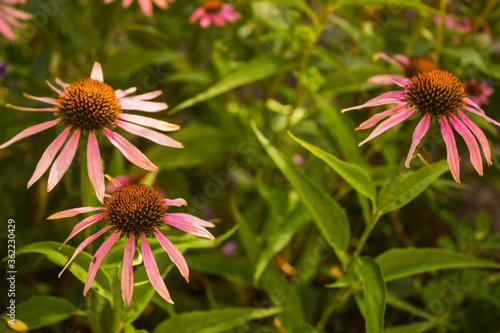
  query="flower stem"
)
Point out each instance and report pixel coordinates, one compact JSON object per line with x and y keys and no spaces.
{"x":439,"y":31}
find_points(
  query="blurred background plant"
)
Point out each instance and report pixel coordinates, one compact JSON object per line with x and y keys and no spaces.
{"x":313,"y":234}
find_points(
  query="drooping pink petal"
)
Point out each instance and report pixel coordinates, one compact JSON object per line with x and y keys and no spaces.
{"x":451,"y":148}
{"x":174,"y":254}
{"x":175,"y":202}
{"x":479,"y":135}
{"x":470,"y":140}
{"x":474,"y":104}
{"x":148,"y":95}
{"x":227,"y":12}
{"x":130,"y":152}
{"x":152,"y":270}
{"x":61,"y":83}
{"x":94,"y":166}
{"x":149,"y":122}
{"x":418,"y":134}
{"x":58,"y":91}
{"x":48,"y":156}
{"x":63,"y":161}
{"x":48,"y":100}
{"x":198,"y":13}
{"x":400,"y":81}
{"x":388,"y":59}
{"x":127,"y":274}
{"x":82,"y":225}
{"x":217,"y":19}
{"x":403,"y":59}
{"x":17,"y":13}
{"x":97,"y":259}
{"x":192,"y":229}
{"x":372,"y":121}
{"x":97,"y":72}
{"x":163,"y":4}
{"x":22,"y":108}
{"x":122,"y":93}
{"x":156,"y":137}
{"x":488,"y":119}
{"x":384,"y":79}
{"x":6,"y":30}
{"x":84,"y":245}
{"x":186,"y":218}
{"x":126,"y":3}
{"x":385,"y":98}
{"x":205,"y":21}
{"x":30,"y":131}
{"x":130,"y":103}
{"x":391,"y":122}
{"x":73,"y":212}
{"x":146,"y":7}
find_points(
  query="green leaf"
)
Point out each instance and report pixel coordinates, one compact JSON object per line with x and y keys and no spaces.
{"x":255,"y":70}
{"x":297,"y":4}
{"x":403,"y":188}
{"x":375,"y":294}
{"x":415,"y":4}
{"x":213,"y":321}
{"x":398,"y":263}
{"x":353,"y":174}
{"x":419,"y":327}
{"x":79,"y":266}
{"x":235,"y":270}
{"x":329,"y":216}
{"x":40,"y":311}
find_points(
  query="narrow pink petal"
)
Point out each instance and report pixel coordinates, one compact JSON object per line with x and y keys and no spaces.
{"x":58,"y":91}
{"x":451,"y":148}
{"x":488,"y":119}
{"x":372,"y":121}
{"x":152,"y":270}
{"x":97,"y":259}
{"x":48,"y":156}
{"x":122,"y":93}
{"x":156,"y":137}
{"x":197,"y":14}
{"x":48,"y":100}
{"x":126,"y":3}
{"x":148,"y":95}
{"x":388,"y":59}
{"x":418,"y":134}
{"x":479,"y":135}
{"x":403,"y":59}
{"x":82,"y":225}
{"x":228,"y":13}
{"x":17,"y":13}
{"x":384,"y":79}
{"x":385,"y":98}
{"x":6,"y":30}
{"x":73,"y":212}
{"x":186,"y":218}
{"x":61,"y":83}
{"x":94,"y":166}
{"x":470,"y":140}
{"x":175,"y":202}
{"x":63,"y":161}
{"x":174,"y":254}
{"x":146,"y":7}
{"x":163,"y":4}
{"x":130,"y":103}
{"x":127,"y":274}
{"x":130,"y":152}
{"x":195,"y":230}
{"x":474,"y":104}
{"x":391,"y":122}
{"x":84,"y":245}
{"x":218,"y":20}
{"x":22,"y":108}
{"x":149,"y":122}
{"x":30,"y":131}
{"x":400,"y":81}
{"x":205,"y":21}
{"x":97,"y":72}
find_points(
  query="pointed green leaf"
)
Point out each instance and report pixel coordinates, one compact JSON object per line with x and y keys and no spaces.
{"x":329,"y":216}
{"x":398,"y":263}
{"x":375,"y":294}
{"x":353,"y":174}
{"x":300,"y":5}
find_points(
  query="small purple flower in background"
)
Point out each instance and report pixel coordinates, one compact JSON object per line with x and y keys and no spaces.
{"x":437,"y":95}
{"x":89,"y":106}
{"x":3,"y":68}
{"x":214,"y":11}
{"x":229,"y":248}
{"x":409,"y":66}
{"x":146,"y":5}
{"x":135,"y":211}
{"x":10,"y":17}
{"x":478,"y":91}
{"x":299,"y":160}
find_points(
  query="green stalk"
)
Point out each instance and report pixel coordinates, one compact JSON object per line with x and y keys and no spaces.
{"x":439,"y":31}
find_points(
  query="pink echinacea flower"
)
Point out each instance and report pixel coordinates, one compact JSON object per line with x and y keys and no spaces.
{"x":478,"y":91}
{"x":88,"y":107}
{"x":146,"y":5}
{"x":135,"y":211}
{"x":9,"y":17}
{"x":409,"y":66}
{"x":214,"y":11}
{"x":437,"y":95}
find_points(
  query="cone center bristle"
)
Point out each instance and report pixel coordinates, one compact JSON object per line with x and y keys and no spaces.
{"x":212,"y":6}
{"x":88,"y":105}
{"x":436,"y":92}
{"x":135,"y":209}
{"x":417,"y":66}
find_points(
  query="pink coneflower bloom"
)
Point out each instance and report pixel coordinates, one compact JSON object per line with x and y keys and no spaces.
{"x":135,"y":211}
{"x":409,"y":66}
{"x":438,"y":95}
{"x":459,"y":25}
{"x":146,"y":5}
{"x":88,"y":107}
{"x":478,"y":91}
{"x":10,"y":17}
{"x":216,"y":12}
